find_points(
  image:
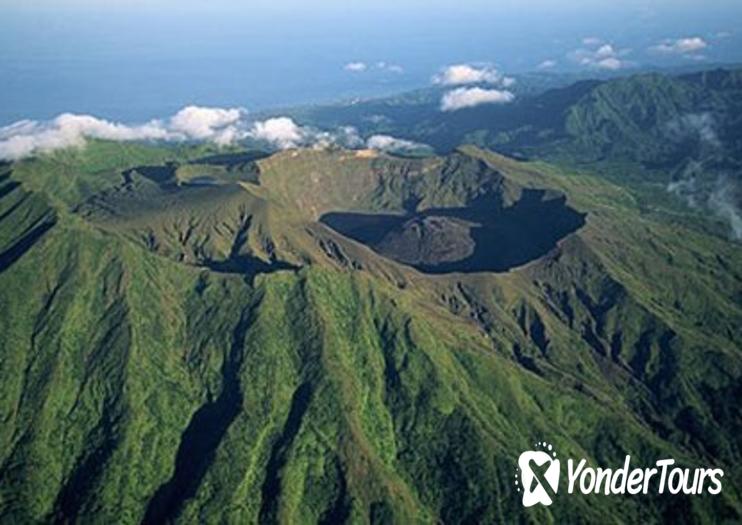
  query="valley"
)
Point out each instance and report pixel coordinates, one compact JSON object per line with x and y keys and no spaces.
{"x":343,"y":336}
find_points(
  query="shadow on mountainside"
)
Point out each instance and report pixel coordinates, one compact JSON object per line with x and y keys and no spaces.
{"x":478,"y":238}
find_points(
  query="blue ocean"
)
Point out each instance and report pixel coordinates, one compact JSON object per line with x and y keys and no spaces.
{"x":137,"y":64}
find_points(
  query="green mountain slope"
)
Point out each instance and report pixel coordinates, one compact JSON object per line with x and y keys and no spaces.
{"x":674,"y":140}
{"x":642,"y":118}
{"x":185,"y":342}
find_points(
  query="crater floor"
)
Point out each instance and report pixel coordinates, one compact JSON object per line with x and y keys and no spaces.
{"x":477,"y":238}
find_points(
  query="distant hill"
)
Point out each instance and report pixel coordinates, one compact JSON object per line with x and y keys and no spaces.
{"x":599,"y":119}
{"x":680,"y":132}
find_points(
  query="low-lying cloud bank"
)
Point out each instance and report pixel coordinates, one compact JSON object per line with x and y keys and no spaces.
{"x":284,"y":133}
{"x":721,"y":199}
{"x":699,"y":126}
{"x":26,"y":138}
{"x":29,"y":137}
{"x":700,"y":184}
{"x":220,"y":126}
{"x":395,"y":145}
{"x":471,"y":97}
{"x":281,"y":132}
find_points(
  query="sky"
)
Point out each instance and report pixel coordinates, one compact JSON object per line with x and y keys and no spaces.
{"x":133,"y":60}
{"x":381,"y":4}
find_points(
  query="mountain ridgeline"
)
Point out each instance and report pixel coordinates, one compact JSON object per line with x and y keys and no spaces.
{"x":654,"y":133}
{"x":348,"y":336}
{"x":650,"y":118}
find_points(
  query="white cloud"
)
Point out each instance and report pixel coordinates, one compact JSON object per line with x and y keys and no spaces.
{"x":699,"y":125}
{"x":610,"y":63}
{"x":392,"y":68}
{"x":690,"y":45}
{"x":462,"y":74}
{"x":27,"y":137}
{"x":282,"y":132}
{"x":356,"y":67}
{"x":547,"y":64}
{"x":68,"y":130}
{"x":378,"y":119}
{"x":215,"y":124}
{"x":470,"y":97}
{"x":389,"y":143}
{"x":220,"y":126}
{"x":680,"y":46}
{"x":347,"y":136}
{"x":591,"y":41}
{"x":605,"y":51}
{"x":606,"y":56}
{"x":723,"y":201}
{"x":381,"y":65}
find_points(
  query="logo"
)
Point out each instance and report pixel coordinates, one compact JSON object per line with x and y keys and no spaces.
{"x":537,"y":477}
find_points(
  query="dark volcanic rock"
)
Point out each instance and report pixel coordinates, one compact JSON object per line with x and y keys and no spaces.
{"x":479,"y":238}
{"x":429,"y":240}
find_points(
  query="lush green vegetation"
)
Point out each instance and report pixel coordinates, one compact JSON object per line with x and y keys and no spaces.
{"x":650,"y":132}
{"x":211,"y":352}
{"x":636,"y":118}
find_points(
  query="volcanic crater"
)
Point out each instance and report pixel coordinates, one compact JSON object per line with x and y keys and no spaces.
{"x":480,"y":237}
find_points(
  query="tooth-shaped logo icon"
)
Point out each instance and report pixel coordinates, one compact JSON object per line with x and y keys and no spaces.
{"x":539,"y":475}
